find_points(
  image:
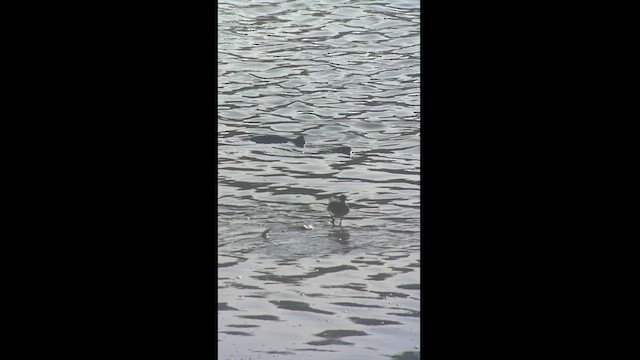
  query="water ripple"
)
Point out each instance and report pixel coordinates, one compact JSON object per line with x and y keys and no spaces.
{"x":340,"y":73}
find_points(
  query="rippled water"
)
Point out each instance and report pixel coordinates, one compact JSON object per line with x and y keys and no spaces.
{"x":340,"y":73}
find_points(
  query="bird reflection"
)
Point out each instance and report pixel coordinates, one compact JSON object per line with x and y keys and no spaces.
{"x":340,"y":235}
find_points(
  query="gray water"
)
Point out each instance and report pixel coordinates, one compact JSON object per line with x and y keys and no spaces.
{"x":340,"y":73}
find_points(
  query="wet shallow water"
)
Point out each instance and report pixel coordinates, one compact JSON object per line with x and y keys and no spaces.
{"x":340,"y":73}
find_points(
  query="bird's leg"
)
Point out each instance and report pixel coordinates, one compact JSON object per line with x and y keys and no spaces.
{"x":333,"y":221}
{"x":340,"y":222}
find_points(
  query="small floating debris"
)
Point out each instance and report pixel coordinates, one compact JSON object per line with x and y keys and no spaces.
{"x":264,"y":233}
{"x":307,"y":227}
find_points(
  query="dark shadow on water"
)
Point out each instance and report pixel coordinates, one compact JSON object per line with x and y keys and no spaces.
{"x":316,"y":350}
{"x":373,"y":322}
{"x":241,"y":333}
{"x":329,"y":342}
{"x":260,"y":317}
{"x":336,"y":334}
{"x":243,"y":286}
{"x":409,"y":313}
{"x":350,"y":304}
{"x":407,"y":355}
{"x":297,"y":306}
{"x":380,"y":276}
{"x":224,"y":306}
{"x":334,"y":337}
{"x":352,"y":286}
{"x":242,"y":326}
{"x":274,"y":352}
{"x":390,"y":294}
{"x":409,"y":286}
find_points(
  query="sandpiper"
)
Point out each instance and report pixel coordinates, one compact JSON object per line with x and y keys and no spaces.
{"x":338,"y":208}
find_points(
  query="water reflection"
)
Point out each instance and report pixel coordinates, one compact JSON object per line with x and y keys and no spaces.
{"x":340,"y":235}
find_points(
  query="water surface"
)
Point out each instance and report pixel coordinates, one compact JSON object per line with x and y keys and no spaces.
{"x":340,"y":73}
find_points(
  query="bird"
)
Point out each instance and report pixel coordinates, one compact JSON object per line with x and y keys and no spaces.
{"x":338,"y":209}
{"x":276,"y":139}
